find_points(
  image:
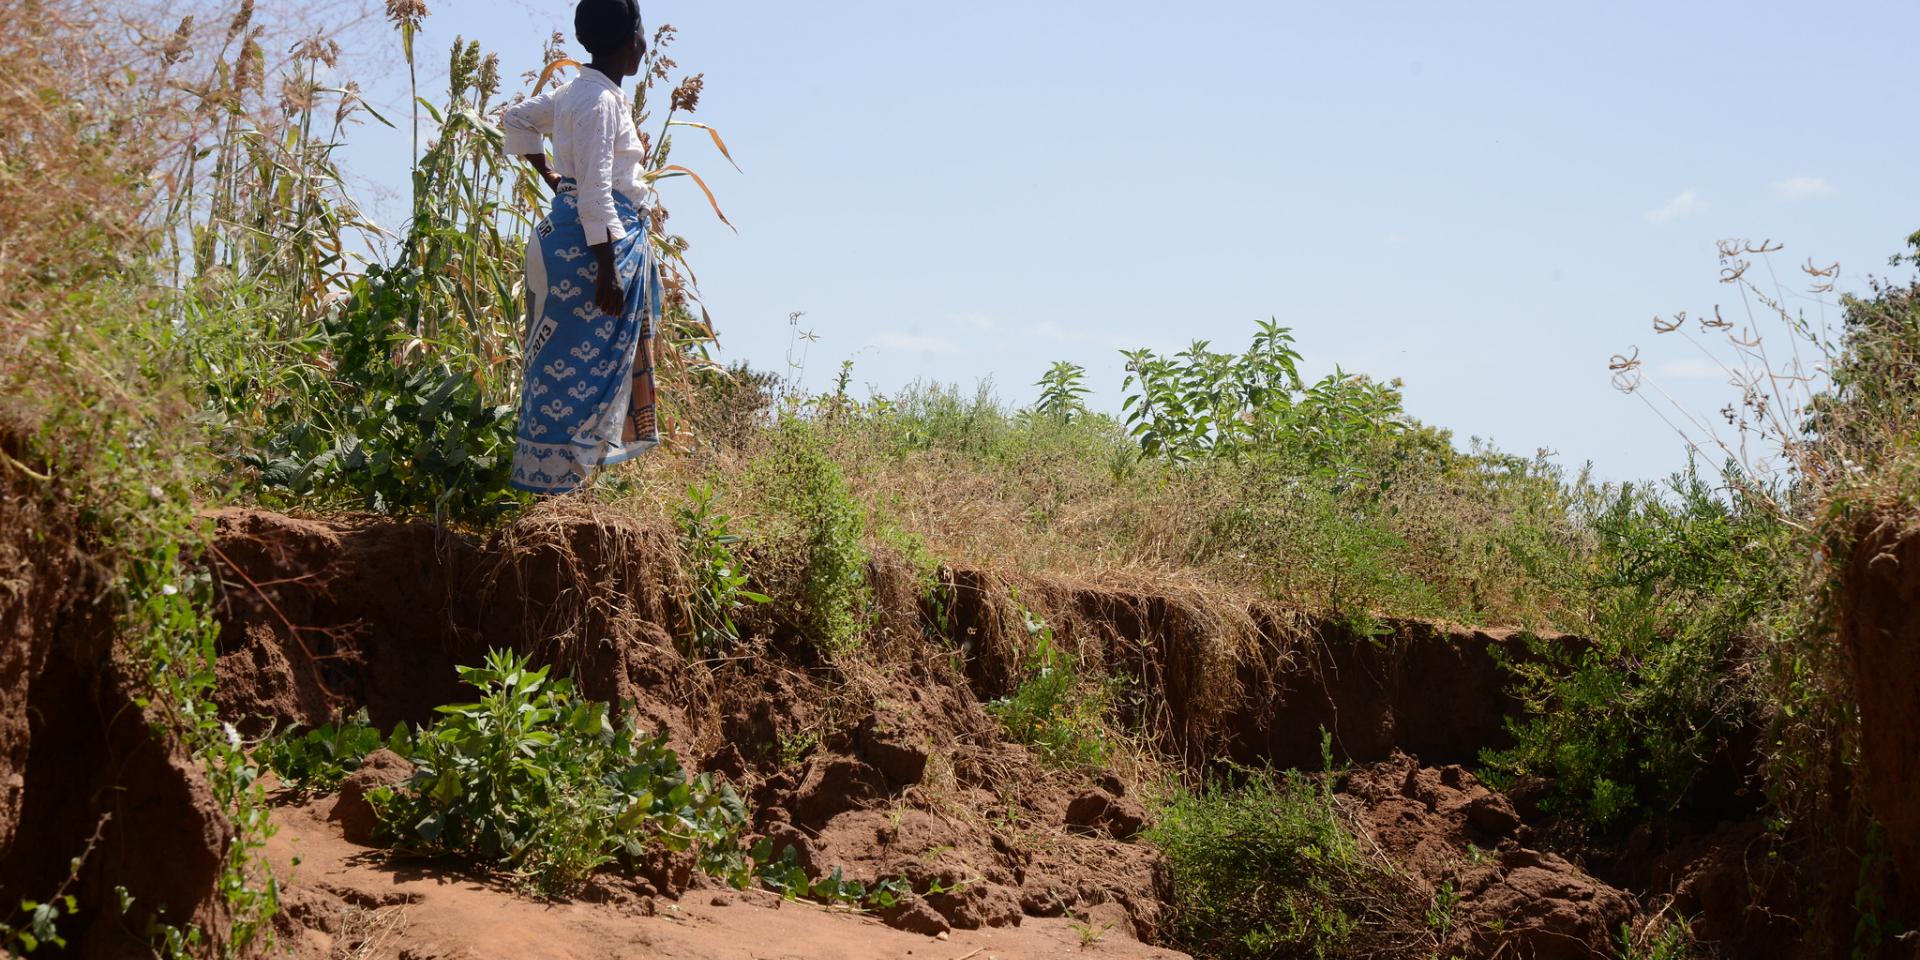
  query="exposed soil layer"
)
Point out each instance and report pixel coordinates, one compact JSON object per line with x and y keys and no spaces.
{"x":347,"y":900}
{"x":1456,"y":838}
{"x":1254,"y":683}
{"x":893,"y":771}
{"x":82,"y":771}
{"x":1880,"y":627}
{"x":884,"y":766}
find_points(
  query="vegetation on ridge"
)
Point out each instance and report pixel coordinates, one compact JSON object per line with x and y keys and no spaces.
{"x":183,"y":322}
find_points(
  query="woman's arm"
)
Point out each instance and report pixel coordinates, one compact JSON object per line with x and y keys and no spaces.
{"x":539,"y":163}
{"x":524,"y":128}
{"x":526,"y":125}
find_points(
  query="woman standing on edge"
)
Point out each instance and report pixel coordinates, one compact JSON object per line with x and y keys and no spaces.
{"x":593,"y":288}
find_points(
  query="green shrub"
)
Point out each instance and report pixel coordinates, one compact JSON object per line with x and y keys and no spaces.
{"x":363,"y":424}
{"x":1263,"y":868}
{"x":719,"y":583}
{"x":317,"y":760}
{"x":1062,"y":392}
{"x":1055,"y":711}
{"x":1621,"y":727}
{"x":822,"y":527}
{"x":1202,"y":403}
{"x":538,"y":782}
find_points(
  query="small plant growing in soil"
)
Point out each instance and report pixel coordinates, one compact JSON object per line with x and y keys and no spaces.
{"x":317,"y":760}
{"x":822,"y":528}
{"x":1056,"y":711}
{"x":1090,"y":933}
{"x":719,"y":584}
{"x":541,"y":783}
{"x":1264,"y":868}
{"x":1440,"y":911}
{"x":784,"y":875}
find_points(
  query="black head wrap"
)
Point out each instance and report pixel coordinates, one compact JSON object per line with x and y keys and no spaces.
{"x":605,"y":26}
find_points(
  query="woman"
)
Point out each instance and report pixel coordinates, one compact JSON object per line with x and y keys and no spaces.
{"x":593,"y":288}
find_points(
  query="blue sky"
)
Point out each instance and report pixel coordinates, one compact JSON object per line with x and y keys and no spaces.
{"x":1484,"y":199}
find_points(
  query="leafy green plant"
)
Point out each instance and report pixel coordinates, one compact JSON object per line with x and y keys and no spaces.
{"x":719,"y":583}
{"x":1056,"y":711}
{"x":1623,"y":725}
{"x":822,"y":527}
{"x":784,"y":875}
{"x":1663,"y":937}
{"x":1202,"y":403}
{"x":40,"y":926}
{"x":373,"y":422}
{"x":318,"y":759}
{"x":538,"y":782}
{"x":1263,"y":868}
{"x":1440,"y":909}
{"x":1062,"y":391}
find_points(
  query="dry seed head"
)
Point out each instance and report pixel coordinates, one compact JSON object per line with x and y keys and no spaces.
{"x":250,"y":67}
{"x":406,"y":13}
{"x":349,"y":97}
{"x":686,"y":96}
{"x":298,"y":94}
{"x":489,"y":83}
{"x":318,"y":49}
{"x":241,"y":18}
{"x":176,"y":49}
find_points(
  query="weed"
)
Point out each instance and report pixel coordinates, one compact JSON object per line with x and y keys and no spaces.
{"x":1623,"y":726}
{"x":1062,"y":389}
{"x":539,"y":782}
{"x":719,"y":583}
{"x":822,"y":527}
{"x":794,"y":747}
{"x":1090,"y":934}
{"x":317,"y":760}
{"x":1263,"y":867}
{"x":1440,"y":910}
{"x":1055,"y":711}
{"x":784,"y":875}
{"x":1661,"y":937}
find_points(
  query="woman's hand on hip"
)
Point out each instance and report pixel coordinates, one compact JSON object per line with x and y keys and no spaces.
{"x":607,"y":294}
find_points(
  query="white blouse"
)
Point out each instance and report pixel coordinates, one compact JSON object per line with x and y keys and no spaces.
{"x":594,"y":143}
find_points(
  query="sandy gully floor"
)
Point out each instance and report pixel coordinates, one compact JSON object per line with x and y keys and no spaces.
{"x":346,"y":901}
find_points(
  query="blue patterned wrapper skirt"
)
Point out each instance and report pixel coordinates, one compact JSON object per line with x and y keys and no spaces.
{"x":587,"y":399}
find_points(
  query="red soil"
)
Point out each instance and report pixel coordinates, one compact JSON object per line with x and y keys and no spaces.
{"x":349,"y":900}
{"x":892,"y":770}
{"x":1881,"y":631}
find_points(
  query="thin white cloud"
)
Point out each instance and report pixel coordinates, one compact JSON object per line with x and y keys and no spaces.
{"x":977,"y":322}
{"x":1802,"y":188}
{"x":916,"y":343}
{"x":1684,"y":203}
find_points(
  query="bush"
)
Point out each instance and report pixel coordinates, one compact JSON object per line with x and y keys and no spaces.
{"x":1055,"y":711}
{"x":1263,"y":868}
{"x":361,"y":423}
{"x":317,"y":760}
{"x":1622,"y":727}
{"x":719,"y":584}
{"x":821,"y":528}
{"x":539,"y":783}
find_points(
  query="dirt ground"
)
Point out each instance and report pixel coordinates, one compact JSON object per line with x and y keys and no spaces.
{"x":888,"y":766}
{"x":344,"y":900}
